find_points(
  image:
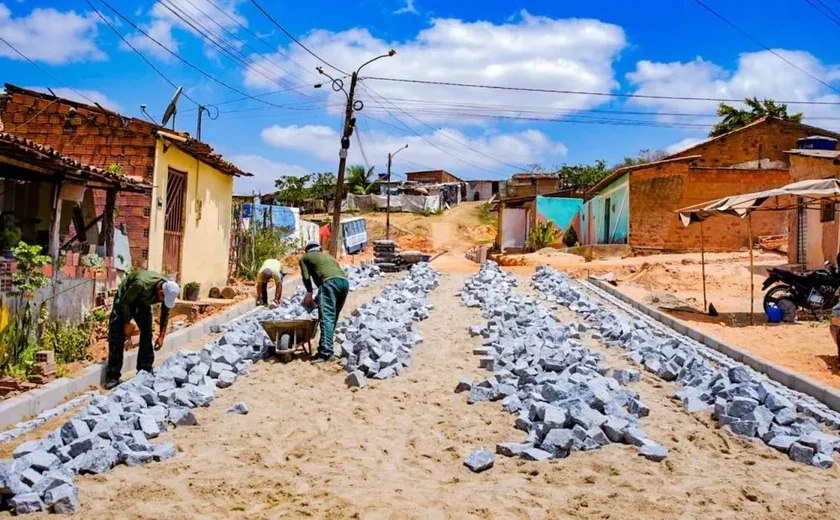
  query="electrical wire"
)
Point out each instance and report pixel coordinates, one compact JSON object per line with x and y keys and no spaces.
{"x":45,"y":71}
{"x":580,"y":92}
{"x":185,"y":61}
{"x":33,"y":117}
{"x":137,"y":52}
{"x":290,"y":35}
{"x":768,"y":49}
{"x":373,"y":92}
{"x":828,"y":12}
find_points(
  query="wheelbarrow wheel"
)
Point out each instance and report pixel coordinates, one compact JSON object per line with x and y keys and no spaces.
{"x":285,"y":348}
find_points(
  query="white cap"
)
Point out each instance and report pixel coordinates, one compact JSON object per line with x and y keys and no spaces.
{"x":170,"y":294}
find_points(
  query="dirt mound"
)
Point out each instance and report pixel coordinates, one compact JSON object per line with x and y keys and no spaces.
{"x":415,"y":243}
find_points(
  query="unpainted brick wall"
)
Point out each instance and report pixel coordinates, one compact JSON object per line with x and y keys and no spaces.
{"x":657,"y":192}
{"x":97,"y":139}
{"x":766,"y":140}
{"x":811,"y":168}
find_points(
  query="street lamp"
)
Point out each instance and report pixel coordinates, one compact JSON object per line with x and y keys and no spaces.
{"x":388,"y":203}
{"x":349,"y":124}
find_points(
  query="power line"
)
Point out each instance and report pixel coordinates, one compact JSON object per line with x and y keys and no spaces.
{"x":373,"y":92}
{"x":768,"y":49}
{"x":261,"y":39}
{"x":185,"y":61}
{"x":581,"y":92}
{"x":290,"y":35}
{"x":229,"y":50}
{"x":137,"y":52}
{"x":828,"y":13}
{"x":45,"y":71}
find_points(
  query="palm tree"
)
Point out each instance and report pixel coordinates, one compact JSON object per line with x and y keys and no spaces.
{"x":360,"y":180}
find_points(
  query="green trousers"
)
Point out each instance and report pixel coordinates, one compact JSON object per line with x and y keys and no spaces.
{"x":142,"y":315}
{"x":331,"y":297}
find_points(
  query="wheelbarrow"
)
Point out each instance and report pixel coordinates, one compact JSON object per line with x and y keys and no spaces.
{"x":287,"y":335}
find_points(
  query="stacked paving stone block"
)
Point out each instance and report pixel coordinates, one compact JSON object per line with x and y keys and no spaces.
{"x":740,"y":399}
{"x":376,"y":340}
{"x":386,"y":255}
{"x":564,"y":400}
{"x":118,"y":428}
{"x":362,"y":276}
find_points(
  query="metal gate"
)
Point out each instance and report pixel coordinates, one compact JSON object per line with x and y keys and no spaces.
{"x":173,"y":230}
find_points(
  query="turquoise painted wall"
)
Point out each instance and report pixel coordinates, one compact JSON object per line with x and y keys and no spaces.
{"x":618,"y":195}
{"x":559,"y":211}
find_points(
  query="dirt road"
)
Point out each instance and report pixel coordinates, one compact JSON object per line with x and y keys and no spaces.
{"x":310,"y":447}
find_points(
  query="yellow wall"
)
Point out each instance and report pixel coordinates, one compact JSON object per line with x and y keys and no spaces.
{"x":206,"y":243}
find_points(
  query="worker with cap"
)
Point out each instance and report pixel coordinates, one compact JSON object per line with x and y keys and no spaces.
{"x":332,"y":292}
{"x":271,"y":269}
{"x":135,"y":297}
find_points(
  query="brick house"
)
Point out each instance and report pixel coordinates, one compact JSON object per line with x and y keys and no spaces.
{"x":812,"y":231}
{"x":183,"y":226}
{"x":432,"y":177}
{"x":530,"y":184}
{"x":636,"y":205}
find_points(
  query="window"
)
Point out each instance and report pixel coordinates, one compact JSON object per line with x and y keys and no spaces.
{"x":827,"y":211}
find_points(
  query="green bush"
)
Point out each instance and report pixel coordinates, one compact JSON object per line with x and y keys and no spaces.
{"x":256,"y":247}
{"x":570,"y":238}
{"x":543,"y":235}
{"x":69,"y":342}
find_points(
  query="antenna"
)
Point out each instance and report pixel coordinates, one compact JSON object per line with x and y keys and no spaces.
{"x":172,"y":109}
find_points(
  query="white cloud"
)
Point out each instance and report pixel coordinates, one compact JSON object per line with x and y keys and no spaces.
{"x":758,"y":74}
{"x":531,"y":51}
{"x":50,"y":36}
{"x":167,"y":15}
{"x":684,"y":144}
{"x":160,"y":30}
{"x":265,"y":173}
{"x":522,"y":147}
{"x":74,"y":95}
{"x":408,"y":8}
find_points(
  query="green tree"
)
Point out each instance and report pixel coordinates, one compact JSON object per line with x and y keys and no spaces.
{"x":582,"y":176}
{"x":735,"y":118}
{"x":323,"y":187}
{"x":292,"y":190}
{"x":645,"y":156}
{"x":360,"y":180}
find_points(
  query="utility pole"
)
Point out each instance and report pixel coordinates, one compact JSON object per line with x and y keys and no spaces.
{"x":388,"y":203}
{"x":349,"y":124}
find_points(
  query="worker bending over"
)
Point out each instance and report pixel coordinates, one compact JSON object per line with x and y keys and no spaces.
{"x":135,"y":297}
{"x":332,"y":292}
{"x":271,"y":270}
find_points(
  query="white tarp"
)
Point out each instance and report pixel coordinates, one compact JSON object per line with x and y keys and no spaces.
{"x":742,"y":205}
{"x":514,"y":227}
{"x":401,"y":202}
{"x":309,"y":232}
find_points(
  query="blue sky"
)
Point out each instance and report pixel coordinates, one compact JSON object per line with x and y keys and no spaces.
{"x":673,"y":48}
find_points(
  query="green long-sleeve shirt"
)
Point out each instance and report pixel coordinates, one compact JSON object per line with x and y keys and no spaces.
{"x":140,"y":288}
{"x":319,"y":267}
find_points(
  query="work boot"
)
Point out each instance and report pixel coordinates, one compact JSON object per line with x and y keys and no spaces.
{"x":319,"y":360}
{"x":112,"y":383}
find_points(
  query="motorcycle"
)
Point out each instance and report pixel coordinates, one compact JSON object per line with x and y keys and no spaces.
{"x":813,"y":291}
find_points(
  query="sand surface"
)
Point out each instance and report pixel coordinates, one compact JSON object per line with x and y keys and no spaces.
{"x":312,"y":448}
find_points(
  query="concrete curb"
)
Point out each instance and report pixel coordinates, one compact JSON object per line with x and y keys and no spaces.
{"x":828,"y":396}
{"x":53,"y":394}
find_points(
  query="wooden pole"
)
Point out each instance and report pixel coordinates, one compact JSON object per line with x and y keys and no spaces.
{"x":108,"y":222}
{"x":703,"y":266}
{"x":752,"y":282}
{"x":55,"y":243}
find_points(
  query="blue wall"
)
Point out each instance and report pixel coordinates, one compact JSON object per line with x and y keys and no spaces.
{"x":559,"y":211}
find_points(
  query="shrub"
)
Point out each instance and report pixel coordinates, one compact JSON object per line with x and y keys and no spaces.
{"x":570,"y":238}
{"x":543,"y":235}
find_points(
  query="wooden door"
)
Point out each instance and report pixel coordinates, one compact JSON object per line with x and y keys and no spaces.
{"x":173,"y":230}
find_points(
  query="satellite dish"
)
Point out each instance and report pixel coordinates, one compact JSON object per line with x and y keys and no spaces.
{"x":172,"y":109}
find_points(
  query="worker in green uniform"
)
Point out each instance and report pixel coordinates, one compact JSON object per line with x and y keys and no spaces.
{"x":135,"y":297}
{"x":271,"y":269}
{"x":332,"y":292}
